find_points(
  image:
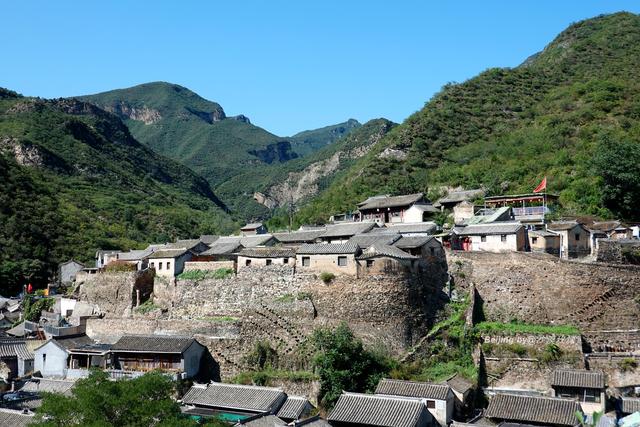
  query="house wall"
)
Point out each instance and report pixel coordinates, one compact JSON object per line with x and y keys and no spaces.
{"x":573,"y":247}
{"x":413,"y":214}
{"x":463,"y":211}
{"x":443,"y":412}
{"x":55,"y":364}
{"x":262,"y":262}
{"x":550,"y":245}
{"x":494,"y":243}
{"x":385,"y":265}
{"x":191,"y":359}
{"x":68,"y":271}
{"x":25,"y":366}
{"x":67,"y":305}
{"x":176,"y":265}
{"x":328,"y":263}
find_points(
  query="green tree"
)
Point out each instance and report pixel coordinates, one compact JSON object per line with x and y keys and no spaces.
{"x":343,"y":363}
{"x":98,"y":401}
{"x":618,"y":163}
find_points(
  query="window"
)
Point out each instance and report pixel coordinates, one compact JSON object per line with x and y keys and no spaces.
{"x":431,"y":404}
{"x":483,"y":238}
{"x":342,"y":261}
{"x":577,"y":236}
{"x":153,"y":265}
{"x":503,"y":237}
{"x":159,"y":266}
{"x":369,"y":263}
{"x":591,"y":395}
{"x":168,"y":266}
{"x":306,"y":261}
{"x":534,"y":240}
{"x":269,"y":262}
{"x":432,"y":250}
{"x":247,"y":262}
{"x":285,"y":260}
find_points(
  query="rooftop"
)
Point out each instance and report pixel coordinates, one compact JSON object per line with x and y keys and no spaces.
{"x":578,"y":378}
{"x":410,"y":242}
{"x":630,"y":405}
{"x":234,"y":396}
{"x":152,"y":344}
{"x":347,"y":229}
{"x":377,"y":202}
{"x":368,"y":239}
{"x":168,"y":253}
{"x":328,"y":249}
{"x":380,"y":249}
{"x":268,"y":252}
{"x":252,"y":226}
{"x":460,"y":196}
{"x":299,"y":236}
{"x":533,"y":409}
{"x":15,"y":418}
{"x":223,"y":248}
{"x":48,"y":385}
{"x":562,"y":225}
{"x":375,"y":410}
{"x":414,"y":227}
{"x":262,"y":420}
{"x":490,"y":228}
{"x":413,"y":389}
{"x":293,"y":407}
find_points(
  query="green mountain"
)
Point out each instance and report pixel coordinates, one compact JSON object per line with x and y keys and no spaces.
{"x":309,"y":141}
{"x":570,"y":112}
{"x":178,"y":123}
{"x":73,"y":179}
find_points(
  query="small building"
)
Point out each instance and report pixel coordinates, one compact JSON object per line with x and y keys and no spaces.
{"x":17,"y":358}
{"x":67,"y":271}
{"x":585,"y":387}
{"x":51,"y":359}
{"x":264,"y":257}
{"x":490,"y":237}
{"x":439,"y":398}
{"x":104,"y":257}
{"x":536,"y":410}
{"x":544,"y":241}
{"x":462,"y":389}
{"x":253,"y":228}
{"x":295,"y":408}
{"x":426,"y":228}
{"x":395,"y":209}
{"x":529,"y":209}
{"x":386,"y":259}
{"x":169,"y":262}
{"x":232,"y":402}
{"x":425,"y":247}
{"x":328,"y":257}
{"x":195,"y":246}
{"x":142,"y":353}
{"x":367,"y":240}
{"x":629,"y":405}
{"x":356,"y":409}
{"x":341,"y":233}
{"x":614,"y":230}
{"x":574,"y":238}
{"x":456,"y":198}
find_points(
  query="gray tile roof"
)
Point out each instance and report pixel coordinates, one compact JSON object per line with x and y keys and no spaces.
{"x":414,"y":228}
{"x":542,"y":233}
{"x":630,"y":405}
{"x":168,"y":253}
{"x":347,"y":229}
{"x":223,"y":248}
{"x":375,"y":410}
{"x":12,"y":418}
{"x":299,"y":236}
{"x":49,"y":386}
{"x":413,"y":389}
{"x":368,"y":239}
{"x":207,"y":239}
{"x":247,"y":241}
{"x":184,"y":243}
{"x":377,"y":202}
{"x":15,"y":349}
{"x":252,"y":226}
{"x":490,"y":228}
{"x":410,"y":242}
{"x":533,"y":409}
{"x":311,"y":422}
{"x":459,"y":196}
{"x":460,"y":384}
{"x":328,"y":249}
{"x":234,"y":396}
{"x":72,"y":342}
{"x":134,"y":255}
{"x":268,"y":252}
{"x":293,"y":407}
{"x":262,"y":421}
{"x":561,"y":225}
{"x":578,"y":378}
{"x":152,"y":344}
{"x":386,"y":251}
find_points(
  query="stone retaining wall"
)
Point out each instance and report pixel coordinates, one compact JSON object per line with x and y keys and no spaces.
{"x":208,"y":265}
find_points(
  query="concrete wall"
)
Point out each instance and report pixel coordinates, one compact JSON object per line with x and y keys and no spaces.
{"x":50,"y":360}
{"x":494,"y":243}
{"x":208,"y":265}
{"x":327,"y":263}
{"x":263,"y":262}
{"x":546,"y":244}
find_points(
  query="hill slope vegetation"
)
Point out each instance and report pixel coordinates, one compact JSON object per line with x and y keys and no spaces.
{"x":570,"y":113}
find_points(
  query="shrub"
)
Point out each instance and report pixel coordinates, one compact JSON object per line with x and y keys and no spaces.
{"x":552,"y":352}
{"x":262,"y":356}
{"x":285,"y":298}
{"x":628,"y":364}
{"x":146,"y":307}
{"x":223,"y":273}
{"x":327,"y":277}
{"x":34,"y":306}
{"x":119,"y":266}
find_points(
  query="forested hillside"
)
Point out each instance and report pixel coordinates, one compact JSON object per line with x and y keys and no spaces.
{"x":73,"y":179}
{"x":571,"y":113}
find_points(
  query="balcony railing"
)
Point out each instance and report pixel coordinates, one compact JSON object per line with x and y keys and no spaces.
{"x":531,"y":211}
{"x":63,"y":331}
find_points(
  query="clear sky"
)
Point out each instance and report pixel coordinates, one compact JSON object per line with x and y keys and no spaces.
{"x":287,"y":65}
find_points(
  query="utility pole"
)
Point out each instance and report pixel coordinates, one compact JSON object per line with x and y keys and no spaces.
{"x":290,"y":212}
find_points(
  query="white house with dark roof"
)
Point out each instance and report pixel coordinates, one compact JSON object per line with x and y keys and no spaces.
{"x":386,"y":209}
{"x":356,"y":409}
{"x":341,"y":233}
{"x":490,"y":237}
{"x":586,"y":387}
{"x":328,"y":257}
{"x":141,"y":353}
{"x":253,"y":228}
{"x":438,"y":398}
{"x":169,"y":262}
{"x":537,"y":410}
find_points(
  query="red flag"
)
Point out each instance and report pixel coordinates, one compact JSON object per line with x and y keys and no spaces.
{"x":29,"y":288}
{"x":541,"y":186}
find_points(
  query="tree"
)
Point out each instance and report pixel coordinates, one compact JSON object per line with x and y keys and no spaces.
{"x":99,"y":401}
{"x":618,"y":163}
{"x":343,"y":363}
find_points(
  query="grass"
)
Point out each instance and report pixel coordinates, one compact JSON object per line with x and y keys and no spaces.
{"x":219,"y":319}
{"x":512,"y":328}
{"x":221,"y":273}
{"x":327,"y":277}
{"x":267,"y":376}
{"x":146,"y":307}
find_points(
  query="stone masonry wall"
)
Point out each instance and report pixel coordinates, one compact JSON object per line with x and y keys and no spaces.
{"x":207,"y":265}
{"x":115,"y":293}
{"x":613,"y":251}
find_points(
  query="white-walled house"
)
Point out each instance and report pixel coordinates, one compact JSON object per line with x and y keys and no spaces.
{"x":439,"y":398}
{"x":50,"y":359}
{"x":169,"y":262}
{"x":490,"y":237}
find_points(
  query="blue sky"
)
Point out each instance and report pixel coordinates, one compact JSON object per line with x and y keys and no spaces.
{"x":287,"y":65}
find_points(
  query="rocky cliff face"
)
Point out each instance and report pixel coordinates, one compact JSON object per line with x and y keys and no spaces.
{"x":142,"y":114}
{"x":279,"y":152}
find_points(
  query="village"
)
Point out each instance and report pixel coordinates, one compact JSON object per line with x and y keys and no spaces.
{"x":186,"y":306}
